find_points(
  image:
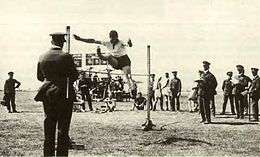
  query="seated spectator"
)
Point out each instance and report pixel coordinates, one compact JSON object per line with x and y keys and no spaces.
{"x":193,"y":100}
{"x":140,"y":102}
{"x":79,"y":104}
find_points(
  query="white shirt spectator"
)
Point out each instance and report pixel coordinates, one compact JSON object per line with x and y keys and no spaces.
{"x":118,"y":50}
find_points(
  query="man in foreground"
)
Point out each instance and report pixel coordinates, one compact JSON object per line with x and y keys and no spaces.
{"x":54,"y":67}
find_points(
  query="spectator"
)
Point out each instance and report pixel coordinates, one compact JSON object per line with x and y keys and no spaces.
{"x":140,"y":102}
{"x":158,"y":94}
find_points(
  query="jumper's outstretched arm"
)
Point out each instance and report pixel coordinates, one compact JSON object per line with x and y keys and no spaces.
{"x":86,"y":40}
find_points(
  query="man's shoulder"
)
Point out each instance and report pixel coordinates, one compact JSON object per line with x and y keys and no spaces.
{"x":209,"y":75}
{"x":51,"y":53}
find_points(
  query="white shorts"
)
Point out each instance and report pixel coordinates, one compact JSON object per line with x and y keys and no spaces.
{"x":157,"y":93}
{"x":166,"y":91}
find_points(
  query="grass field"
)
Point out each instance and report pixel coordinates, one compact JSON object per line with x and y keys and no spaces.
{"x":120,"y":133}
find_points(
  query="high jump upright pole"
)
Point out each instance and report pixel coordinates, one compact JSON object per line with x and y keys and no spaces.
{"x":68,"y":51}
{"x":148,"y":125}
{"x":148,"y":82}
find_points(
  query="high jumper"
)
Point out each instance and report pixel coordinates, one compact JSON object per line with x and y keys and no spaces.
{"x":117,"y":56}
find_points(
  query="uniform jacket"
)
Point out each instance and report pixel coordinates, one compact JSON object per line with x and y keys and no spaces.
{"x":241,"y":84}
{"x":85,"y":84}
{"x":175,"y":85}
{"x":255,"y":87}
{"x":227,"y":87}
{"x":209,"y":84}
{"x":9,"y":87}
{"x":53,"y":68}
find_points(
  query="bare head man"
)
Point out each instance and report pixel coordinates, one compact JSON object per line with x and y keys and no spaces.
{"x":254,"y":71}
{"x":240,"y":69}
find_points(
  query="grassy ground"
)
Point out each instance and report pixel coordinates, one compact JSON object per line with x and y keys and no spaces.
{"x":119,"y":133}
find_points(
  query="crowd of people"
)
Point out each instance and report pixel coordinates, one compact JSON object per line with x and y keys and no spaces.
{"x":241,"y":91}
{"x":58,"y":73}
{"x":98,"y":88}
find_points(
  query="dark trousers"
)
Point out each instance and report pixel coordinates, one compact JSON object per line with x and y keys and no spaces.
{"x":161,"y":104}
{"x":255,"y":108}
{"x":231,"y":100}
{"x":58,"y":113}
{"x":239,"y":102}
{"x":205,"y":108}
{"x":175,"y":100}
{"x":212,"y":105}
{"x":87,"y":97}
{"x":246,"y":104}
{"x":152,"y":99}
{"x":10,"y":101}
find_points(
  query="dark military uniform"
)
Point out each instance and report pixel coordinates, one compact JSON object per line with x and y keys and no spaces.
{"x":227,"y":88}
{"x":84,"y":86}
{"x":175,"y":86}
{"x":54,"y":67}
{"x":255,"y":95}
{"x":240,"y":100}
{"x":208,"y":90}
{"x":9,"y":91}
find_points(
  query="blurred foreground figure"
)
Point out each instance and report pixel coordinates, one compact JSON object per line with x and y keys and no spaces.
{"x":9,"y":92}
{"x":54,"y":67}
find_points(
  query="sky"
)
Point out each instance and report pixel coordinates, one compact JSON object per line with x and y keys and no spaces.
{"x":182,"y":33}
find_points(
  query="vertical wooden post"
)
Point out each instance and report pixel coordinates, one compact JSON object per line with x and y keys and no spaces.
{"x":148,"y":83}
{"x":148,"y":125}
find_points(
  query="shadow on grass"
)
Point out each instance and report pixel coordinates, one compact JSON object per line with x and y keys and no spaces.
{"x":235,"y":123}
{"x":171,"y":140}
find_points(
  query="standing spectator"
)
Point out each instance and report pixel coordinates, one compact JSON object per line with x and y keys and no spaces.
{"x":175,"y":86}
{"x":140,"y":102}
{"x":84,"y":87}
{"x":95,"y":80}
{"x":152,"y":87}
{"x":158,"y":94}
{"x":166,"y":92}
{"x":240,"y":85}
{"x":227,"y":88}
{"x":9,"y":91}
{"x":208,"y":90}
{"x":54,"y":68}
{"x":254,"y":92}
{"x":134,"y":90}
